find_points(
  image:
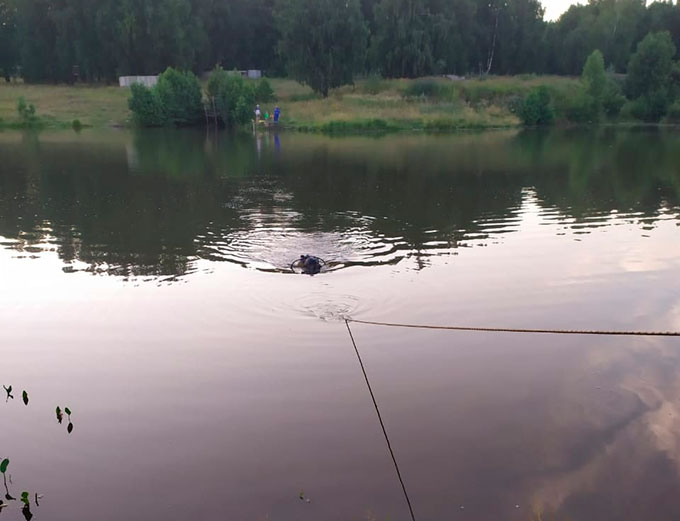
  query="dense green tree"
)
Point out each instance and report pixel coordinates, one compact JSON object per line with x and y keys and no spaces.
{"x":402,"y":45}
{"x":8,"y":48}
{"x":594,"y":77}
{"x":323,"y":41}
{"x":649,"y":76}
{"x":613,"y":26}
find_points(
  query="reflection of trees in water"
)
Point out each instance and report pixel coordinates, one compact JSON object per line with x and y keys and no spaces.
{"x":147,"y":206}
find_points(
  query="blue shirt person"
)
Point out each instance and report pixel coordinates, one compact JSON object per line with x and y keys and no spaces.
{"x":277,"y":115}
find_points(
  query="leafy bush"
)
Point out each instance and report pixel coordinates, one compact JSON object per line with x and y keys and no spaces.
{"x":673,"y":114}
{"x":651,"y":107}
{"x":26,"y":112}
{"x":76,"y":125}
{"x":650,"y":74}
{"x":612,"y":98}
{"x":651,"y":67}
{"x":594,"y":78}
{"x":180,"y":95}
{"x":234,"y":98}
{"x":147,"y":107}
{"x":582,"y":108}
{"x":537,"y":108}
{"x":176,"y":99}
{"x":264,"y":92}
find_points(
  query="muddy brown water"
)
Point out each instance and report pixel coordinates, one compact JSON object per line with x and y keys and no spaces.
{"x":145,"y":283}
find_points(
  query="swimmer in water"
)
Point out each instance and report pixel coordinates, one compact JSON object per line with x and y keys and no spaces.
{"x":310,"y":265}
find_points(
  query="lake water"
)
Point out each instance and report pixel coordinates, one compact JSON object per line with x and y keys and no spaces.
{"x":145,"y":283}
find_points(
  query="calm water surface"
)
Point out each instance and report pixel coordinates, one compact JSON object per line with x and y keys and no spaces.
{"x":145,"y":284}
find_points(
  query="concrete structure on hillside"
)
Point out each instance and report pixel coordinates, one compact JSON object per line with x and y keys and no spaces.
{"x":148,"y":81}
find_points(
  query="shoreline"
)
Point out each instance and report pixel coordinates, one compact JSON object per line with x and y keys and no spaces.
{"x":370,"y":107}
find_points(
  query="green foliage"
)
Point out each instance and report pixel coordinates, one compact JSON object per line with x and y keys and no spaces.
{"x":673,"y":114}
{"x":650,"y":107}
{"x":374,"y":85}
{"x":582,"y":108}
{"x":594,"y":77}
{"x":147,"y":107}
{"x":264,"y":92}
{"x":24,"y":397}
{"x":537,"y":108}
{"x":3,"y":465}
{"x":175,"y":99}
{"x":180,"y":96}
{"x":323,"y":41}
{"x":402,"y":44}
{"x":76,"y":125}
{"x":649,"y":77}
{"x":8,"y":40}
{"x":613,"y":98}
{"x":26,"y":112}
{"x":234,"y":97}
{"x":649,"y":69}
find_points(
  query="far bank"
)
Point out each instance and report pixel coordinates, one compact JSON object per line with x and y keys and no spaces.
{"x":370,"y":105}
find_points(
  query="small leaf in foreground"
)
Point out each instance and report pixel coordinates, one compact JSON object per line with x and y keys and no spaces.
{"x":24,"y":396}
{"x":3,"y":465}
{"x":69,"y":428}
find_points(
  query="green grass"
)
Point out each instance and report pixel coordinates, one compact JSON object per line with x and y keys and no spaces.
{"x":372,"y":105}
{"x":57,"y":106}
{"x":426,"y":104}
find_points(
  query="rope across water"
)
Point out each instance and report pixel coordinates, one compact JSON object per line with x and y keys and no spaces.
{"x":521,"y":330}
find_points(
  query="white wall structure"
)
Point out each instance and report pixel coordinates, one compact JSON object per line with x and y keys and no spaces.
{"x":149,"y":81}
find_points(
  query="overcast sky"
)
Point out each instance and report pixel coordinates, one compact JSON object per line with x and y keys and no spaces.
{"x":554,"y":8}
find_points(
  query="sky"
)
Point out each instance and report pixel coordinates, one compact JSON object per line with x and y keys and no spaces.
{"x":554,"y":8}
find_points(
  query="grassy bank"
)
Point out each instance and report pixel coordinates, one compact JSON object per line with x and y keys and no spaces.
{"x":58,"y":106}
{"x":430,"y":104}
{"x":372,"y":105}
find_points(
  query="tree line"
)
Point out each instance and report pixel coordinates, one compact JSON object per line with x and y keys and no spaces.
{"x":324,"y":42}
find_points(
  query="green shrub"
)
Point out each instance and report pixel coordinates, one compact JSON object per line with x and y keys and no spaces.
{"x":264,"y":92}
{"x":147,"y":107}
{"x":650,"y":107}
{"x":582,"y":108}
{"x":180,"y":95}
{"x":612,"y":98}
{"x":234,"y":98}
{"x":594,"y":78}
{"x":673,"y":114}
{"x":537,"y":108}
{"x":76,"y":125}
{"x":26,"y":112}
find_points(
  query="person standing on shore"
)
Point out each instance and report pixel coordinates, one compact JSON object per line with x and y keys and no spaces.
{"x":258,"y":113}
{"x":277,"y":115}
